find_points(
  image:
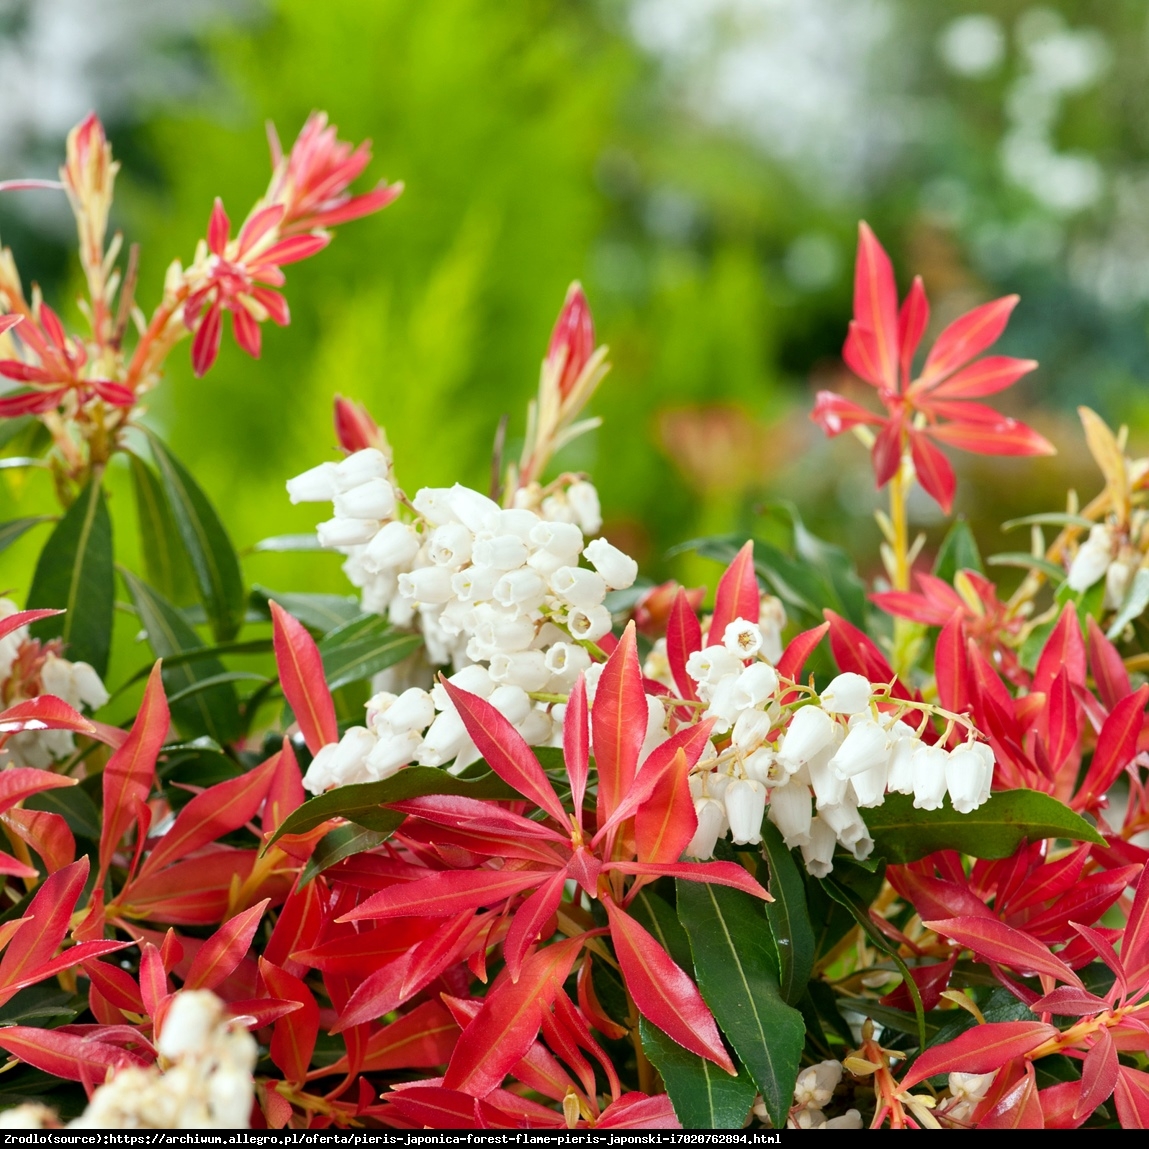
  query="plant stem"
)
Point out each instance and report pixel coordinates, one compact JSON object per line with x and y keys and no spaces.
{"x":905,"y":631}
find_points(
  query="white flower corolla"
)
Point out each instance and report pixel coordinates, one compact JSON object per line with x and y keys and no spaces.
{"x":711,"y":815}
{"x":829,"y":787}
{"x":750,"y":730}
{"x":903,"y":744}
{"x":371,"y":500}
{"x":390,"y":754}
{"x":578,"y":586}
{"x":762,"y":765}
{"x":566,"y":662}
{"x":967,"y":1090}
{"x":929,"y":770}
{"x":523,"y":668}
{"x":520,"y":591}
{"x":582,"y":499}
{"x":810,"y":730}
{"x":742,"y":638}
{"x":771,"y":621}
{"x":561,"y":540}
{"x":711,"y":665}
{"x":434,"y":504}
{"x":815,"y":1086}
{"x":790,"y":812}
{"x":394,"y":545}
{"x":851,"y":1119}
{"x":1118,"y":578}
{"x":865,"y":746}
{"x":618,"y":570}
{"x":475,"y":584}
{"x":818,"y":851}
{"x":869,"y":786}
{"x":745,"y":806}
{"x":346,"y":532}
{"x":755,"y":685}
{"x":426,"y":585}
{"x":471,"y":508}
{"x":847,"y":694}
{"x":588,"y":625}
{"x":414,"y":709}
{"x":314,"y":486}
{"x":1092,"y":559}
{"x":450,"y":545}
{"x":445,"y":738}
{"x":473,"y":679}
{"x":75,"y":682}
{"x":512,"y":702}
{"x":360,"y":468}
{"x":969,"y":774}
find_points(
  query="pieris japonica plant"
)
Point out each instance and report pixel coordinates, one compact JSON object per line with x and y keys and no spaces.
{"x":511,"y":838}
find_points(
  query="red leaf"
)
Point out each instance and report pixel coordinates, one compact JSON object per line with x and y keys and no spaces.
{"x":1063,"y":648}
{"x":301,"y":676}
{"x":664,"y":994}
{"x":950,"y":667}
{"x":683,"y":638}
{"x":1009,"y":437}
{"x":529,"y":921}
{"x":445,"y":893}
{"x":834,"y":413}
{"x":205,"y":345}
{"x":854,"y":651}
{"x":258,"y":226}
{"x":433,"y":1107}
{"x":861,"y":354}
{"x":1103,"y":948}
{"x":1131,"y":1097}
{"x":210,"y":815}
{"x":48,"y":916}
{"x":1063,"y":719}
{"x":912,"y":322}
{"x":1135,"y":940}
{"x":664,"y":825}
{"x":506,"y":1026}
{"x":1108,"y":667}
{"x":505,"y":751}
{"x":798,"y":650}
{"x":1016,"y":1105}
{"x":24,"y":618}
{"x":293,"y":1039}
{"x":1116,"y":747}
{"x":222,"y":952}
{"x":994,"y":941}
{"x":982,"y":1049}
{"x":1070,"y":1002}
{"x":195,"y":892}
{"x":218,"y":228}
{"x":420,"y":1039}
{"x":131,"y":770}
{"x":618,"y":721}
{"x":1098,"y":1074}
{"x":20,"y":782}
{"x":46,"y":833}
{"x":931,"y":981}
{"x":45,"y":712}
{"x":1085,"y":901}
{"x":933,"y":470}
{"x":876,"y":304}
{"x":985,"y":377}
{"x":713,"y":873}
{"x":293,"y":249}
{"x":886,"y":453}
{"x":246,"y":331}
{"x":576,"y":745}
{"x":966,"y":337}
{"x":65,"y":1054}
{"x":29,"y":402}
{"x":1058,"y":1103}
{"x":117,"y":985}
{"x":285,"y":792}
{"x":638,"y":1111}
{"x":589,"y":1003}
{"x":737,"y":595}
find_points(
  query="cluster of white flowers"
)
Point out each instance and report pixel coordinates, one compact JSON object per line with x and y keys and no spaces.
{"x":207,"y":1082}
{"x":839,"y":753}
{"x":967,"y":1090}
{"x":1113,"y":555}
{"x":497,"y":594}
{"x":813,"y":1091}
{"x":26,"y":671}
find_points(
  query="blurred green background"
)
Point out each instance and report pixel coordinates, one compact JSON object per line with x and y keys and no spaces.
{"x":699,"y":164}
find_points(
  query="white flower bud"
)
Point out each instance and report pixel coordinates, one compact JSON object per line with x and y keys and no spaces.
{"x":474,"y":584}
{"x":815,"y":1086}
{"x":414,"y":709}
{"x":351,"y":752}
{"x":525,"y":668}
{"x":395,"y":545}
{"x":1092,"y":559}
{"x":750,"y":730}
{"x":346,"y":532}
{"x":966,"y":770}
{"x":590,"y":679}
{"x":818,"y":852}
{"x":563,"y":540}
{"x":847,"y":694}
{"x":392,"y":753}
{"x":711,"y":817}
{"x":742,"y":638}
{"x":846,"y":822}
{"x":512,"y":702}
{"x":583,"y":501}
{"x":865,"y":746}
{"x":851,"y":1119}
{"x":589,"y":625}
{"x":434,"y":504}
{"x":809,"y":731}
{"x":88,"y":686}
{"x":450,"y":545}
{"x":360,"y":468}
{"x":790,"y":812}
{"x":745,"y":807}
{"x":566,"y":661}
{"x":314,"y":486}
{"x":762,"y":766}
{"x":618,"y":570}
{"x":472,"y":679}
{"x":498,"y":631}
{"x":929,"y":769}
{"x":536,"y":728}
{"x":471,"y":508}
{"x":501,"y":552}
{"x":522,"y":590}
{"x":545,"y":564}
{"x":713,"y":663}
{"x":374,"y":499}
{"x":903,"y":744}
{"x":755,"y":685}
{"x":445,"y":738}
{"x":518,"y":521}
{"x":578,"y":586}
{"x":870,"y":785}
{"x":426,"y":585}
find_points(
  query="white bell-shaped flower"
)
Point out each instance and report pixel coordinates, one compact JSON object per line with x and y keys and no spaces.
{"x":745,"y":808}
{"x":818,"y":851}
{"x":316,"y":485}
{"x":374,"y":499}
{"x":617,"y":569}
{"x":578,"y":586}
{"x":968,"y":770}
{"x":757,"y":683}
{"x":711,"y":816}
{"x":790,"y":812}
{"x":450,"y":545}
{"x":501,"y":552}
{"x":903,"y":744}
{"x":360,"y":468}
{"x":866,"y":745}
{"x":929,"y":769}
{"x":414,"y":709}
{"x":346,"y":532}
{"x":847,"y":694}
{"x":588,"y":625}
{"x":809,"y":731}
{"x":742,"y":638}
{"x":1092,"y":559}
{"x":394,"y":545}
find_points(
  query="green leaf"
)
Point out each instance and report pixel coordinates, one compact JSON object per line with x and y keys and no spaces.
{"x":1048,"y":518}
{"x":1136,"y":600}
{"x":206,"y":543}
{"x":703,"y":1096}
{"x":1028,"y":562}
{"x":657,"y":915}
{"x":333,"y":847}
{"x":13,"y":428}
{"x":161,"y":547}
{"x":735,"y":967}
{"x":957,"y":552}
{"x":74,"y":805}
{"x":14,"y":528}
{"x":788,"y":916}
{"x":75,"y":574}
{"x":319,"y":612}
{"x":360,"y":802}
{"x":994,"y":830}
{"x":211,"y":710}
{"x":360,"y":649}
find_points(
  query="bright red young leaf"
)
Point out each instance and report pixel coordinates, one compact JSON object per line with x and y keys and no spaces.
{"x":982,"y":1049}
{"x":48,"y":834}
{"x":66,"y":1055}
{"x":222,"y":952}
{"x":737,"y":595}
{"x":301,"y":676}
{"x":683,"y":638}
{"x":618,"y":721}
{"x":293,"y":1039}
{"x":994,"y":941}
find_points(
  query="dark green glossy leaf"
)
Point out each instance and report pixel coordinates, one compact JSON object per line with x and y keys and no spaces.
{"x":340,"y":843}
{"x":734,"y":964}
{"x":369,"y":650}
{"x":198,"y":708}
{"x":74,"y":805}
{"x":320,"y":612}
{"x":75,"y":574}
{"x":994,"y":830}
{"x":788,"y":916}
{"x":703,"y":1096}
{"x":162,"y":551}
{"x":957,"y":552}
{"x":360,"y":802}
{"x":206,"y":543}
{"x":14,"y":528}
